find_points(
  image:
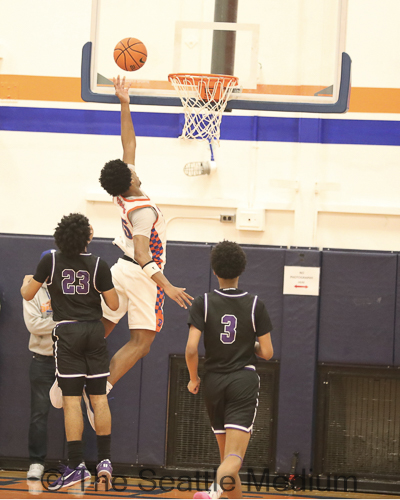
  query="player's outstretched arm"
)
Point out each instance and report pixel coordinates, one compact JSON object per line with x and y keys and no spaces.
{"x":128,"y":136}
{"x":192,"y":359}
{"x":175,"y":293}
{"x":142,"y":255}
{"x":263,"y":348}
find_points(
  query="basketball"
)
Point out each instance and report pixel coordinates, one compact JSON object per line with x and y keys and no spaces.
{"x":130,"y":54}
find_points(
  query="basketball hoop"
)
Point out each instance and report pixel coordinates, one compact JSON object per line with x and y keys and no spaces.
{"x":204,"y":98}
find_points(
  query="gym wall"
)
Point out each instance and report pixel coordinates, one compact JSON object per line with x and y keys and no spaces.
{"x":323,"y":181}
{"x":351,"y":325}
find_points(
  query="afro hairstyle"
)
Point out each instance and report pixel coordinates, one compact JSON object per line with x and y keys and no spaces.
{"x":115,"y":177}
{"x":228,"y":260}
{"x":72,"y":234}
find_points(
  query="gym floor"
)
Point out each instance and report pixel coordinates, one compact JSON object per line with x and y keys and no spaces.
{"x":13,"y":484}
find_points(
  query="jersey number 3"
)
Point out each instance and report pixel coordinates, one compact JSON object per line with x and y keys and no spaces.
{"x":229,"y":335}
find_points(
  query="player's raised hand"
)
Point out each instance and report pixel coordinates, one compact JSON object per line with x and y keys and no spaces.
{"x":121,"y":90}
{"x":179,"y":295}
{"x":194,"y":387}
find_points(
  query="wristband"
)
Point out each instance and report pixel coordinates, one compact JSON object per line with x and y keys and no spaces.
{"x":151,"y":268}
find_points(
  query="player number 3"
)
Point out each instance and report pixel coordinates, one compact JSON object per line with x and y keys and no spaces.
{"x":229,"y":334}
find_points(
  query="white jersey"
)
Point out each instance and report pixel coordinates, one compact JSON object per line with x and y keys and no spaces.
{"x":158,"y":231}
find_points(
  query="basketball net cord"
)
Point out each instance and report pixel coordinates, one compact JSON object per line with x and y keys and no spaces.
{"x":203,"y":104}
{"x":204,"y":99}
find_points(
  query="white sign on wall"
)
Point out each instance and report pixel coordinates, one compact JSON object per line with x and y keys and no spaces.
{"x":301,"y":280}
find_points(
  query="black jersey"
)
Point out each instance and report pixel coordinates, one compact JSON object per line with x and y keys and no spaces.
{"x":75,"y":284}
{"x":231,"y":320}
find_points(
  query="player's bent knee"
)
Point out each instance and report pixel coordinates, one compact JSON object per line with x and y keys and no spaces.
{"x":98,"y":400}
{"x":144,"y":350}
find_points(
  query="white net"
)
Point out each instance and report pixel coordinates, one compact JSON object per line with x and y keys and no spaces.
{"x":204,"y":98}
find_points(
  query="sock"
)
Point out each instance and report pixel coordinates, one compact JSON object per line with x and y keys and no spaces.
{"x":104,"y":447}
{"x":109,"y":387}
{"x":215,"y":491}
{"x":75,"y":453}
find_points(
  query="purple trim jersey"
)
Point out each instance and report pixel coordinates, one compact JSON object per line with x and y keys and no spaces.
{"x":231,"y":321}
{"x":75,"y":285}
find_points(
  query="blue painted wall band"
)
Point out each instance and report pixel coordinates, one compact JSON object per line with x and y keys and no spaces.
{"x":233,"y":128}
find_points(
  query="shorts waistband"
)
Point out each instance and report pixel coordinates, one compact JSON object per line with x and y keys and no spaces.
{"x":70,"y":321}
{"x":42,"y":356}
{"x":129,"y":259}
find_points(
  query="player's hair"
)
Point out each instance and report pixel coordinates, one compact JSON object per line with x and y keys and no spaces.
{"x":72,"y":234}
{"x":115,"y":177}
{"x":228,"y":260}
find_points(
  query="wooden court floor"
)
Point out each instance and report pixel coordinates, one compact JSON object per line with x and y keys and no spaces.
{"x":13,"y":484}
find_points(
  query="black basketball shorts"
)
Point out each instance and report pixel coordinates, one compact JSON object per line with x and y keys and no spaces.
{"x":81,"y":357}
{"x":231,"y":399}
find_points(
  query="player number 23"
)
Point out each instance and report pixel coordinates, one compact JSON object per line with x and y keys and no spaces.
{"x":230,"y":323}
{"x":68,"y":282}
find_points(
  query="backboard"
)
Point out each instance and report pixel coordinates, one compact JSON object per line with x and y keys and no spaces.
{"x":289,"y":55}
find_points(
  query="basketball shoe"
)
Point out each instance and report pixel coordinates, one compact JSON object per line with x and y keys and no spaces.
{"x":35,"y":471}
{"x":56,"y":396}
{"x":104,"y":469}
{"x":214,"y":492}
{"x":69,"y":477}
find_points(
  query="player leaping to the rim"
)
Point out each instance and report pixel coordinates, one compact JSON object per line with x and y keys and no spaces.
{"x":138,"y":275}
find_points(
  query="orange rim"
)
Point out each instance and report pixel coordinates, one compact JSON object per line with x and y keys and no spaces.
{"x":213,"y":79}
{"x":204,"y":82}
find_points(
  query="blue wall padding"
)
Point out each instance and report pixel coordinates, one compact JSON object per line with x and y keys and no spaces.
{"x":357,"y":315}
{"x":297,"y":371}
{"x":396,"y":349}
{"x":264,"y":277}
{"x":19,"y":255}
{"x":188,"y":267}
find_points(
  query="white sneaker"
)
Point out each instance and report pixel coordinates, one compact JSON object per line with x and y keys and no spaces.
{"x":35,"y":471}
{"x":89,"y":410}
{"x":56,"y":396}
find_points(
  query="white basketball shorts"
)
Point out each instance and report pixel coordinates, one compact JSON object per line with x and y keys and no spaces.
{"x":139,"y":296}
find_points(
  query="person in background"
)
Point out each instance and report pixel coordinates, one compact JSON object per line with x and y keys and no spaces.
{"x":38,"y":317}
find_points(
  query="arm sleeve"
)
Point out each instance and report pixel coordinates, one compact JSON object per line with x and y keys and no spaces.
{"x":262,"y":319}
{"x":43,"y":270}
{"x":103,"y":279}
{"x":196,"y":313}
{"x":34,"y":321}
{"x":142,"y":221}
